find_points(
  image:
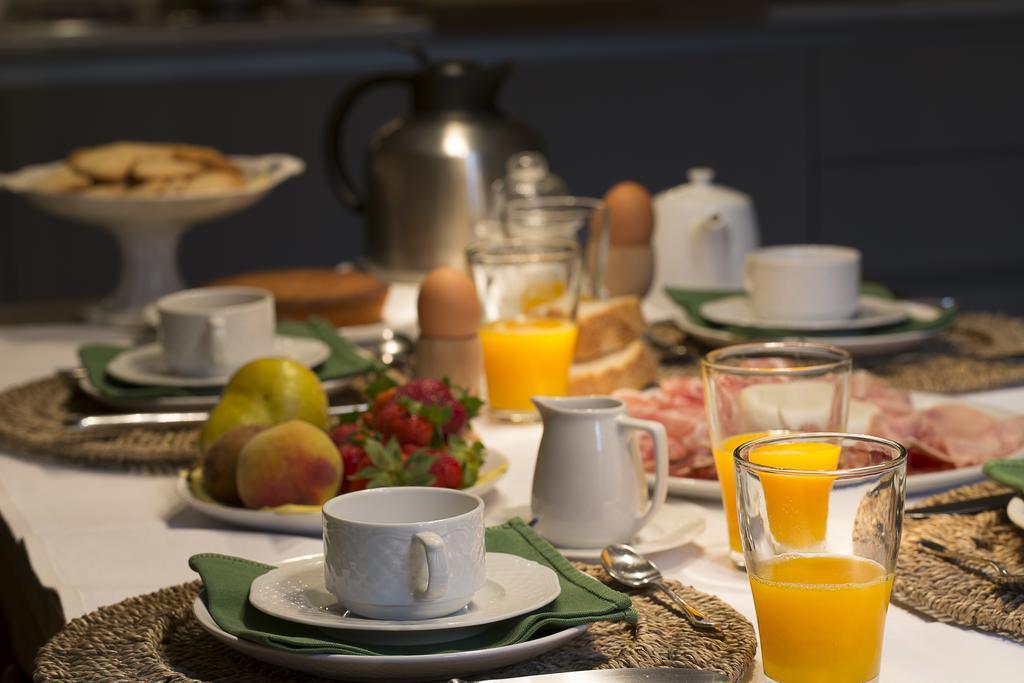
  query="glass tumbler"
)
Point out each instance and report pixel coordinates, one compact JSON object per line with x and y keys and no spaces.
{"x":582,"y":219}
{"x":753,"y":390}
{"x":528,"y":290}
{"x":820,"y":545}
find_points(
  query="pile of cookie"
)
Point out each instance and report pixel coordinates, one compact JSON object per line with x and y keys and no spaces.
{"x":143,"y":169}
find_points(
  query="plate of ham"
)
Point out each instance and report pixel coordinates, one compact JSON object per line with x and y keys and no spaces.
{"x":948,"y":439}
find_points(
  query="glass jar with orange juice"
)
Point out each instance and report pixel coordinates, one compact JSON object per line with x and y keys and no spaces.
{"x":757,"y":390}
{"x":820,"y":542}
{"x":528,"y":290}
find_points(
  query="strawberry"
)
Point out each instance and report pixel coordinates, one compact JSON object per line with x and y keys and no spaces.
{"x":390,"y":467}
{"x":432,"y":392}
{"x":383,"y":398}
{"x":344,"y":432}
{"x":393,"y":420}
{"x":354,"y":459}
{"x":470,"y":457}
{"x":446,"y":470}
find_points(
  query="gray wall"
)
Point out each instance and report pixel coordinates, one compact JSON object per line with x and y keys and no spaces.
{"x":903,"y":140}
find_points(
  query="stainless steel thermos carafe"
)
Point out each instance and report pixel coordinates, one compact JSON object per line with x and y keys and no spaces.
{"x":429,"y":174}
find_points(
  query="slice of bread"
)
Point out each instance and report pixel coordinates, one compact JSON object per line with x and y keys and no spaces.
{"x":632,"y":367}
{"x":607,"y":326}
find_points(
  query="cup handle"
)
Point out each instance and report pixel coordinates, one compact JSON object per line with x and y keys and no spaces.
{"x":437,"y":566}
{"x":748,"y":276}
{"x":657,"y":432}
{"x":217,"y":337}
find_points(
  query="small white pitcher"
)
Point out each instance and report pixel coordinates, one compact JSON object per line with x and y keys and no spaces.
{"x":589,"y":489}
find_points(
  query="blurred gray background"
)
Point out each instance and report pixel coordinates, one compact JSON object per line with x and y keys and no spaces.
{"x":892,"y":127}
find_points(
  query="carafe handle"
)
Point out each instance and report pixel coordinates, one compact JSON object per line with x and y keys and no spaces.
{"x":660,"y":437}
{"x":337,"y":175}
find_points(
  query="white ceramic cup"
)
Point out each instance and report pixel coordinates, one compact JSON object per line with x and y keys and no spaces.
{"x":406,"y":552}
{"x":803,"y":282}
{"x":211,"y":331}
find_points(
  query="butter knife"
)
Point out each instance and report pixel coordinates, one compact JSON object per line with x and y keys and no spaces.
{"x":963,"y":507}
{"x":612,"y":675}
{"x":126,"y":420}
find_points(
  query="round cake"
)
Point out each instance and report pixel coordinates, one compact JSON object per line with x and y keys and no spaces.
{"x":341,"y":297}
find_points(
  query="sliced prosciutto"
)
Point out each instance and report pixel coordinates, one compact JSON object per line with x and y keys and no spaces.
{"x":944,"y":436}
{"x":679,"y":405}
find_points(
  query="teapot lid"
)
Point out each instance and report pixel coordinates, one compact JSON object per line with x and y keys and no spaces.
{"x":701,"y":190}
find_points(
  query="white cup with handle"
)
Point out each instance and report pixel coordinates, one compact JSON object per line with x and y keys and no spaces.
{"x":404,"y":552}
{"x":803,"y":282}
{"x":212,"y":331}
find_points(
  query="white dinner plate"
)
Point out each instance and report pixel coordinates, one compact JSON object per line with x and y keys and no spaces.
{"x":302,"y":519}
{"x":738,"y":310}
{"x":145,"y":364}
{"x":137,"y":404}
{"x":708,"y":489}
{"x":390,"y":667}
{"x":878,"y":344}
{"x":296,"y":592}
{"x":674,"y":525}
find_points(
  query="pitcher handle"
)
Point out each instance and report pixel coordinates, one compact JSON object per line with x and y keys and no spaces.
{"x":657,"y":432}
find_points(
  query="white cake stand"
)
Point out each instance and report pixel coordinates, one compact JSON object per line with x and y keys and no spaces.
{"x":148,"y":228}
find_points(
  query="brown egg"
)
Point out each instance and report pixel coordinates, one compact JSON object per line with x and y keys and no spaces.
{"x":447,"y":305}
{"x":631,"y":215}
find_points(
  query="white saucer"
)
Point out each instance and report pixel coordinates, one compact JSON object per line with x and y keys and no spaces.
{"x":1015,"y":511}
{"x":431,"y":667}
{"x":295,"y":591}
{"x":675,"y":525}
{"x":738,"y":311}
{"x":879,"y":343}
{"x":145,"y":364}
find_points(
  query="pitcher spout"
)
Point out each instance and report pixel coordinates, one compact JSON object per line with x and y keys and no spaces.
{"x":576,"y":405}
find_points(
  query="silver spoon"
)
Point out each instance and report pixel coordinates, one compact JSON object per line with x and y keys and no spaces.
{"x":628,"y":567}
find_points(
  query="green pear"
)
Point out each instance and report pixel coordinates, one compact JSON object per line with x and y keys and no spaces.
{"x":267,"y":391}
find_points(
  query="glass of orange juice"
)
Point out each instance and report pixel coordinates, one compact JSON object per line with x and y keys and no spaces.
{"x":754,"y":390}
{"x":820,"y":543}
{"x":528,"y":290}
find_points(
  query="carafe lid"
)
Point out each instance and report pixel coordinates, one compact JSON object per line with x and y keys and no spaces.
{"x":458,"y":85}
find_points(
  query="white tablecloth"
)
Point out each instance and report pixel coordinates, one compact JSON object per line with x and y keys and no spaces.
{"x":98,"y":537}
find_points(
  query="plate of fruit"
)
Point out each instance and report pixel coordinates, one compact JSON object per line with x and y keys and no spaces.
{"x":277,"y":476}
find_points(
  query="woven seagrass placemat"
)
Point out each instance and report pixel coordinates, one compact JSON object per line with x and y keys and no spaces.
{"x":959,"y":593}
{"x":31,"y":422}
{"x":155,"y":637}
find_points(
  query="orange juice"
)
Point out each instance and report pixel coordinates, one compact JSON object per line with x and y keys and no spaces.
{"x":797,"y":506}
{"x":821,"y":617}
{"x":524,"y":358}
{"x":727,"y":476}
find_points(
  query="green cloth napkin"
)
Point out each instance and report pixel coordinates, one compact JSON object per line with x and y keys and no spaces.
{"x":582,"y":601}
{"x":692,"y":300}
{"x":1009,"y":472}
{"x":344,"y":361}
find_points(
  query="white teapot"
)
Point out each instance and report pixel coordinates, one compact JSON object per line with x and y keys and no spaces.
{"x":702,"y":234}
